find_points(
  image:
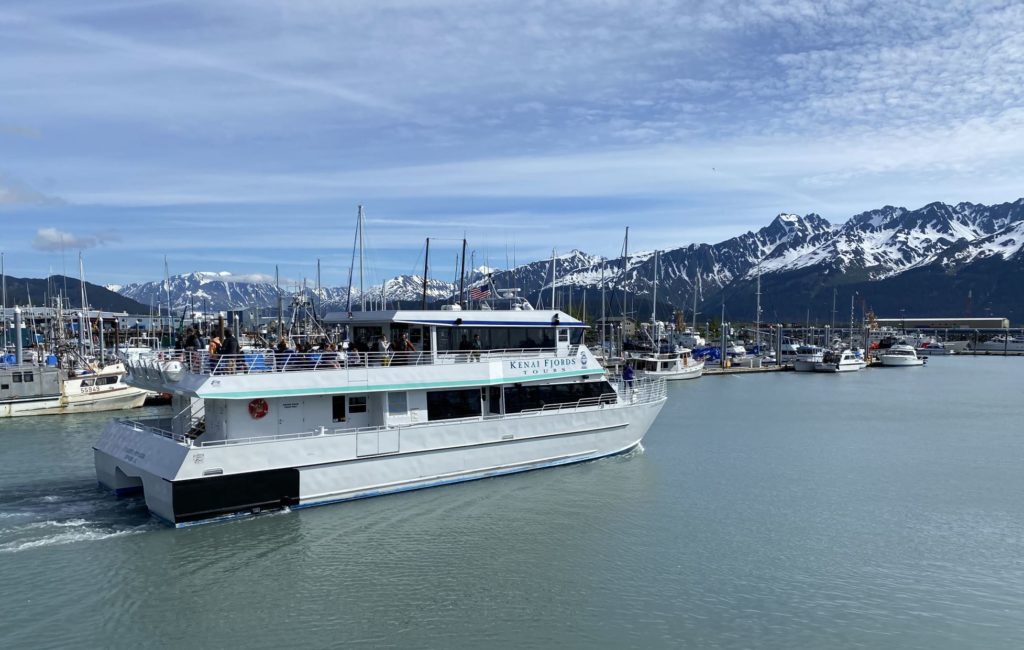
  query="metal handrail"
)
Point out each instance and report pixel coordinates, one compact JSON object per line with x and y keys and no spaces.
{"x":202,"y":362}
{"x":641,"y":391}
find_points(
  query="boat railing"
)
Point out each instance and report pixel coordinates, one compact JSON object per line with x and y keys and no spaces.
{"x":627,"y":393}
{"x":157,"y":426}
{"x":252,"y":362}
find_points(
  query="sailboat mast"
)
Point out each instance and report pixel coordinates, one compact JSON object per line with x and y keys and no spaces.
{"x":654,"y":297}
{"x":462,"y":274}
{"x":280,"y":302}
{"x":696,"y":290}
{"x":757,"y":319}
{"x":362,"y":250}
{"x":625,"y":267}
{"x":82,"y":322}
{"x":554,"y":276}
{"x":3,"y":273}
{"x":426,"y":270}
{"x":167,"y":292}
{"x":352,"y":264}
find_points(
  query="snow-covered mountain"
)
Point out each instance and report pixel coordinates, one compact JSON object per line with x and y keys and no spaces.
{"x":796,"y":256}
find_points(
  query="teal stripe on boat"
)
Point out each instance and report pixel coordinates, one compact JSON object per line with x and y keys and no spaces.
{"x":337,"y":390}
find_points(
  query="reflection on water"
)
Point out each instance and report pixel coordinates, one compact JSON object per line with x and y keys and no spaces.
{"x":877,"y":509}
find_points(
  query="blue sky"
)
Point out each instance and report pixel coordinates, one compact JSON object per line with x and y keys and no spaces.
{"x":233,"y":136}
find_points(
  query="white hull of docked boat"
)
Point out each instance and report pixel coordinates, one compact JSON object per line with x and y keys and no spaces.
{"x":121,"y":398}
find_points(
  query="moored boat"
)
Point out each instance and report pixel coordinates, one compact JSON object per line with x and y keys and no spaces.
{"x":840,"y":361}
{"x":900,"y":355}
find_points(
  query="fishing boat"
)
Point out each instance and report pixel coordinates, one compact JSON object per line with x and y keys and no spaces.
{"x":61,"y":383}
{"x":669,"y":362}
{"x":472,"y":394}
{"x":900,"y":355}
{"x":845,"y":360}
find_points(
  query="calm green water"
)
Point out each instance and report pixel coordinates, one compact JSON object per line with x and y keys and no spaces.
{"x":875,"y":509}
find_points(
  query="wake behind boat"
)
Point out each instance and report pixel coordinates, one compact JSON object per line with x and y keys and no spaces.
{"x":467,"y":395}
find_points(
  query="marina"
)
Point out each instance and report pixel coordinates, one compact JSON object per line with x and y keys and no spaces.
{"x":891,"y":528}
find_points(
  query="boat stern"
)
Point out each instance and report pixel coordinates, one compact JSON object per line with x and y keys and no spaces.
{"x":130,"y":458}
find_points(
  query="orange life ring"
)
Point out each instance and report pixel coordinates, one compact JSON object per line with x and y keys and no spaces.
{"x":258,"y":408}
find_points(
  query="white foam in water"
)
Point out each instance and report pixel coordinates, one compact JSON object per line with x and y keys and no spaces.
{"x":50,"y":523}
{"x":69,"y":537}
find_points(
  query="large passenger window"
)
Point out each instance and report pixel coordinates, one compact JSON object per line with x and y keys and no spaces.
{"x":451,"y":404}
{"x":357,"y":404}
{"x":523,"y":398}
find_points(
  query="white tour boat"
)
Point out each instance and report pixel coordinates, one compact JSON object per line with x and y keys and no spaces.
{"x":900,"y":355}
{"x":484,"y":393}
{"x":840,"y":361}
{"x":674,"y":365}
{"x":807,"y":357}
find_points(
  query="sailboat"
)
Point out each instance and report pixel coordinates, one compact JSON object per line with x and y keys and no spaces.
{"x":664,"y":359}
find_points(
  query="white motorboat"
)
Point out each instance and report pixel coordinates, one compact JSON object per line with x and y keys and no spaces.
{"x":900,"y":355}
{"x":267,"y":430}
{"x":790,"y":354}
{"x":1001,"y":343}
{"x":674,"y":365}
{"x":840,"y":361}
{"x":807,"y":357}
{"x":933,"y":348}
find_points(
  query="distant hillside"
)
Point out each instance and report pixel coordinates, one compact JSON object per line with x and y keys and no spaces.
{"x":22,"y":291}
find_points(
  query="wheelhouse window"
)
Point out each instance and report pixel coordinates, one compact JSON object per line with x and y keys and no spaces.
{"x":452,"y":404}
{"x":29,"y":377}
{"x":16,"y":377}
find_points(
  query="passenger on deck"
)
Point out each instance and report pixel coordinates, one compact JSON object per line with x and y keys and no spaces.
{"x":404,"y":351}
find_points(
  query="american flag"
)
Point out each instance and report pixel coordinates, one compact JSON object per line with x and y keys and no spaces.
{"x":479,"y":293}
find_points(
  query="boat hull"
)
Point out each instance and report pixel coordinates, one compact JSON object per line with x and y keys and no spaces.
{"x":693,"y":371}
{"x":900,"y":361}
{"x":188,"y":484}
{"x":124,"y":397}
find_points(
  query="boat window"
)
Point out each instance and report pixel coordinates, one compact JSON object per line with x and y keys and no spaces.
{"x":451,"y":404}
{"x":16,"y":377}
{"x":576,"y":336}
{"x":357,"y":405}
{"x":88,"y":382}
{"x":5,"y":386}
{"x":338,"y":408}
{"x":522,"y":398}
{"x":398,"y":404}
{"x":563,"y":335}
{"x":494,"y":397}
{"x":105,"y":381}
{"x":29,"y":377}
{"x":498,"y":339}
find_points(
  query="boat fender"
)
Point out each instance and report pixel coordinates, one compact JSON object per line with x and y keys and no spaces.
{"x":258,"y":408}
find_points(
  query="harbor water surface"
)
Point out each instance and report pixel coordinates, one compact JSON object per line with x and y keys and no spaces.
{"x":883,"y":508}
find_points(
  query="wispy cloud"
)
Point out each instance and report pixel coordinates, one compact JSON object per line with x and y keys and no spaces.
{"x":52,"y":239}
{"x":16,"y":193}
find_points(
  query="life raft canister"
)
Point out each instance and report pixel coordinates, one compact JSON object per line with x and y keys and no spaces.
{"x":258,"y":408}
